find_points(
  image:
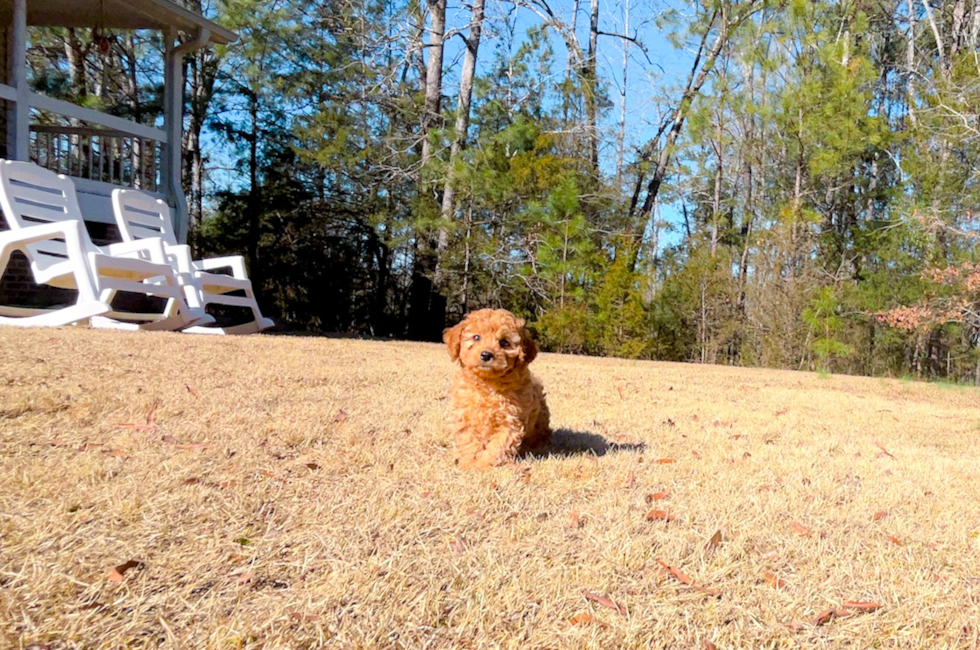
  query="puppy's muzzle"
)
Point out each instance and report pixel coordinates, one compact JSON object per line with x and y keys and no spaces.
{"x":486,"y":356}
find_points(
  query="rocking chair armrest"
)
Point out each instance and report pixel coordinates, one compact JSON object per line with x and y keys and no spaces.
{"x":148,"y":249}
{"x":74,"y":234}
{"x":179,"y":257}
{"x":70,"y":231}
{"x":236,"y":262}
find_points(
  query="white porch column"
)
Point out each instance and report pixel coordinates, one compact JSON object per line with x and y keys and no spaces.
{"x":19,"y":114}
{"x":173,"y":123}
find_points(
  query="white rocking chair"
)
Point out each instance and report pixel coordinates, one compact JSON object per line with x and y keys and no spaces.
{"x":34,"y":198}
{"x":141,"y":217}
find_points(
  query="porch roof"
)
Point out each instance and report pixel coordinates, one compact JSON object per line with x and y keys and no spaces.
{"x":121,"y":14}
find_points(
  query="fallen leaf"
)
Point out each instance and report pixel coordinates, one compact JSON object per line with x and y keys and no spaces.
{"x":191,"y":390}
{"x":59,"y":443}
{"x":715,"y":540}
{"x":303,"y":618}
{"x":313,"y":466}
{"x":576,"y":521}
{"x":136,"y":427}
{"x":246,"y":577}
{"x":630,"y":480}
{"x":605,"y":602}
{"x":736,"y":436}
{"x":894,"y":540}
{"x":800,"y":529}
{"x":708,"y":645}
{"x":664,"y":461}
{"x":192,"y":481}
{"x":168,"y":438}
{"x":862,"y":605}
{"x":341,"y":416}
{"x":881,"y":514}
{"x":619,"y":389}
{"x":150,"y":426}
{"x":696,"y":453}
{"x":457,"y":545}
{"x":769,"y":556}
{"x":782,"y":412}
{"x":584,"y":618}
{"x":825,"y":616}
{"x":227,"y":484}
{"x":118,"y":573}
{"x":662,"y":515}
{"x":657,"y":496}
{"x":847,"y":609}
{"x":87,"y":446}
{"x":884,"y":451}
{"x":746,"y":455}
{"x":774,"y":581}
{"x":115,"y":453}
{"x":267,"y":473}
{"x":686,"y":579}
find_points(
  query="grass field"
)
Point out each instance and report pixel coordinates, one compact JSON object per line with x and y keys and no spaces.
{"x":166,"y":490}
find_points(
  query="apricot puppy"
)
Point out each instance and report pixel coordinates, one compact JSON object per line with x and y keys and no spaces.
{"x":499,"y":410}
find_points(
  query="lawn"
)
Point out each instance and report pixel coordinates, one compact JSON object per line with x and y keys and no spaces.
{"x":177,"y":491}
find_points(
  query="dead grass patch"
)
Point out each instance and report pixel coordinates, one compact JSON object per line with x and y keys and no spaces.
{"x":160,"y":490}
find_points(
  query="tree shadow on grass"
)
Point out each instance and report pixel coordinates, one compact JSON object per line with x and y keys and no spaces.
{"x":566,"y":443}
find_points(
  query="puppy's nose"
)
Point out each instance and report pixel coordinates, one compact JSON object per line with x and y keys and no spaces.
{"x":486,"y":355}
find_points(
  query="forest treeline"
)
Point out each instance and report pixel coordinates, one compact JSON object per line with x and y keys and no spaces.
{"x":807,"y":198}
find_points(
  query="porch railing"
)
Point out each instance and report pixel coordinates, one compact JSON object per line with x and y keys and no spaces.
{"x":106,"y":155}
{"x":95,"y":146}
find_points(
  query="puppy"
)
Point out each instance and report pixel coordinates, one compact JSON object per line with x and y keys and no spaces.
{"x":499,"y":410}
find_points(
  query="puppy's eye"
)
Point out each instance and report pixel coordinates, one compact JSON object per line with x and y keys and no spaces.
{"x":504,"y":343}
{"x":476,"y":337}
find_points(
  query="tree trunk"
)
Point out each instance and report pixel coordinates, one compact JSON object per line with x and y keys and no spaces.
{"x":462,"y":112}
{"x":427,"y":307}
{"x":716,"y":203}
{"x":696,"y":78}
{"x":253,"y":191}
{"x":433,"y":76}
{"x":75,"y":55}
{"x":590,"y":77}
{"x":621,"y":137}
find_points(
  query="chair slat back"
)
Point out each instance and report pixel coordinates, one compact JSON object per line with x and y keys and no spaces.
{"x":31,"y":195}
{"x":141,"y":216}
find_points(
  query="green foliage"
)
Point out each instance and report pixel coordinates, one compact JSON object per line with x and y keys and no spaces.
{"x":826,"y":324}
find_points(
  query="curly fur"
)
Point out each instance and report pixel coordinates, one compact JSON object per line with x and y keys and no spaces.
{"x":499,"y":409}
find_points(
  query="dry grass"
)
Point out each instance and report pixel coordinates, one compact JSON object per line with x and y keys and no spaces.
{"x":324,"y":510}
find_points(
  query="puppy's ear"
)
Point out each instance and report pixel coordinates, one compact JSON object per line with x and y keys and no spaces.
{"x":451,"y":337}
{"x":529,"y":348}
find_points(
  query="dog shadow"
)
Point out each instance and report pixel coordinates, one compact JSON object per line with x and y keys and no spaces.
{"x":566,"y":443}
